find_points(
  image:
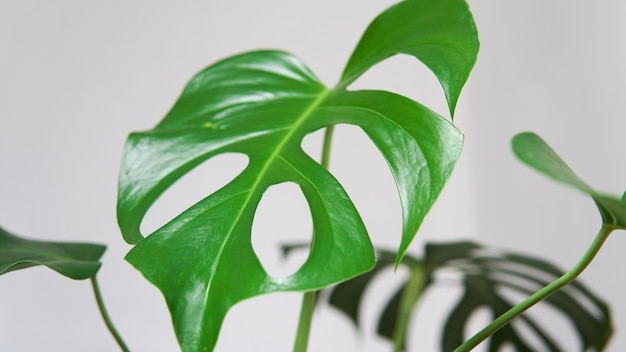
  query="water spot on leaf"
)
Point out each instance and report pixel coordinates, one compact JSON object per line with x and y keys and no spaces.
{"x":196,"y":185}
{"x":210,"y":125}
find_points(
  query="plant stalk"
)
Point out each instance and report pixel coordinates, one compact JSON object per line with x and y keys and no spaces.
{"x":308,"y":301}
{"x":540,"y":295}
{"x":410,"y":295}
{"x":105,"y":315}
{"x":328,"y":139}
{"x":304,"y":325}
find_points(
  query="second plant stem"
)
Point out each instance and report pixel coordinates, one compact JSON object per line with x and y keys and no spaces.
{"x":410,"y":295}
{"x":308,"y":301}
{"x":105,"y":315}
{"x":540,"y":295}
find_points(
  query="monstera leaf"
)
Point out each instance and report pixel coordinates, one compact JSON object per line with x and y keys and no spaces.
{"x":74,"y":260}
{"x":483,"y":273}
{"x":535,"y":152}
{"x":262,"y":104}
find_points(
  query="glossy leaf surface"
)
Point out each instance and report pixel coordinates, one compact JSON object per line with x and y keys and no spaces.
{"x":533,"y":151}
{"x":74,"y":260}
{"x":440,"y":33}
{"x":483,"y":273}
{"x":262,"y":104}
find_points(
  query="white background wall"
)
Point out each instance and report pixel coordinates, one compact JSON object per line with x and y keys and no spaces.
{"x":76,"y":77}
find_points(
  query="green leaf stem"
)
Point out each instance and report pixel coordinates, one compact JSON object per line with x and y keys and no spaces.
{"x":486,"y":272}
{"x":535,"y":152}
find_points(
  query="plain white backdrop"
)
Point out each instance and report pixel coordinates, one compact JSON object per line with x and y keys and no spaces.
{"x":76,"y":77}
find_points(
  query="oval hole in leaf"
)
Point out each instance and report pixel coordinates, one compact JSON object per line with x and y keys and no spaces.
{"x":194,"y":186}
{"x":282,"y":217}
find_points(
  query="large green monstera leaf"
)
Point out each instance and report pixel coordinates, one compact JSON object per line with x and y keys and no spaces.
{"x":262,"y":104}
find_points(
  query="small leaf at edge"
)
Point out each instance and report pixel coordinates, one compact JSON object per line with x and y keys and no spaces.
{"x":536,"y":153}
{"x":74,"y":260}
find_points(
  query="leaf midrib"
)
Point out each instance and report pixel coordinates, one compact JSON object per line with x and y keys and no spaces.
{"x":261,"y":175}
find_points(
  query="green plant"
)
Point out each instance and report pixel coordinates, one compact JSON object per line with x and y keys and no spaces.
{"x":262,"y":104}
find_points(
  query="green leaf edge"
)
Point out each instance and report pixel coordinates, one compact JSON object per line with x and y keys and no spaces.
{"x":458,"y":19}
{"x":82,"y":264}
{"x":534,"y":152}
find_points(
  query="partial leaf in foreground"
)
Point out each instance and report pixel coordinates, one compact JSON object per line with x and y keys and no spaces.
{"x":535,"y":152}
{"x":483,"y":274}
{"x":74,"y":260}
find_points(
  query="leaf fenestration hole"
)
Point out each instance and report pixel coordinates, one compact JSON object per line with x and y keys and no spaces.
{"x":282,"y":218}
{"x":362,"y":171}
{"x":196,"y":185}
{"x":312,"y":143}
{"x":411,"y":78}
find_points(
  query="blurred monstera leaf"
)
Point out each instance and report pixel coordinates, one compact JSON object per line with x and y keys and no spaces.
{"x":74,"y":260}
{"x":262,"y":104}
{"x":483,"y":274}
